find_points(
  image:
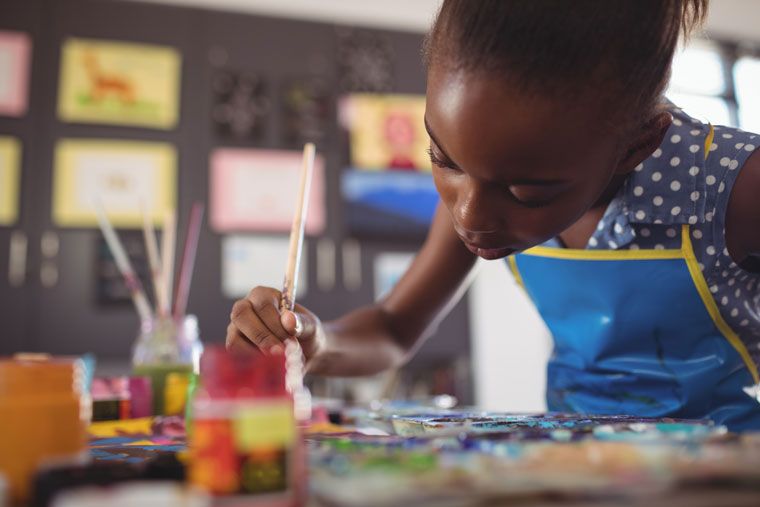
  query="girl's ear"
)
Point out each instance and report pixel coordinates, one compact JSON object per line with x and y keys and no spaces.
{"x":649,"y":138}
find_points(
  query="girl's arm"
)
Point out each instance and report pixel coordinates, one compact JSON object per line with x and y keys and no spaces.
{"x":743,"y":216}
{"x":375,"y":337}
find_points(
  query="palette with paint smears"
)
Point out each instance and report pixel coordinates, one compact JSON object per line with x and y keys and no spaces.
{"x":552,"y":426}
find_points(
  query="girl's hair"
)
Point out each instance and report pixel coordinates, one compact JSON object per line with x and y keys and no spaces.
{"x":619,"y":51}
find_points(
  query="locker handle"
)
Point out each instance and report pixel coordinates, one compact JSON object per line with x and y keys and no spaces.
{"x":17,"y":259}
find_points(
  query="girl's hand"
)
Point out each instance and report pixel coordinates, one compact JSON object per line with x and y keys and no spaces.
{"x":257,"y":323}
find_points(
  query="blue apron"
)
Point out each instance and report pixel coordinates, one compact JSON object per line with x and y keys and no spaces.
{"x":637,"y":332}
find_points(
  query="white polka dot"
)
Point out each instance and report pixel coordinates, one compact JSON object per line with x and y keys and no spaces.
{"x":695,"y":132}
{"x":671,"y":233}
{"x":693,"y":171}
{"x":639,"y":168}
{"x":612,"y":244}
{"x":656,"y":176}
{"x":645,"y":232}
{"x":710,"y":250}
{"x":640,"y":215}
{"x":710,"y":180}
{"x":638,"y":191}
{"x":727,"y":136}
{"x":724,"y":300}
{"x":657,"y":200}
{"x":693,"y":220}
{"x":714,"y":289}
{"x":737,"y":293}
{"x":734,"y":312}
{"x":744,"y":323}
{"x":724,"y":274}
{"x":659,"y":247}
{"x":618,"y":229}
{"x":739,"y":146}
{"x":675,"y":139}
{"x":675,"y":161}
{"x":675,"y":186}
{"x":657,"y":153}
{"x":713,"y":147}
{"x":701,"y":266}
{"x":694,"y":148}
{"x":749,"y":147}
{"x":725,"y":161}
{"x":677,"y":122}
{"x":657,"y":221}
{"x":721,"y":187}
{"x":634,"y":246}
{"x":708,"y":216}
{"x":592,"y":241}
{"x":695,"y":196}
{"x":600,"y":226}
{"x":675,"y":211}
{"x":696,"y":233}
{"x":731,"y":282}
{"x":733,"y":165}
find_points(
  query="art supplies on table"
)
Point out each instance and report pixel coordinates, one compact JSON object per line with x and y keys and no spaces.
{"x":45,"y":410}
{"x":245,"y":441}
{"x":110,"y":399}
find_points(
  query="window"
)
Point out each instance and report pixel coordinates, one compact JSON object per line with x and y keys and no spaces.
{"x":719,"y":83}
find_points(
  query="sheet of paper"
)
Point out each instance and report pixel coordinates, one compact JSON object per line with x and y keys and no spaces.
{"x":389,"y":268}
{"x":10,"y":175}
{"x":256,"y":190}
{"x":251,"y":261}
{"x":119,"y":83}
{"x":15,"y":56}
{"x":121,"y":174}
{"x":386,"y":131}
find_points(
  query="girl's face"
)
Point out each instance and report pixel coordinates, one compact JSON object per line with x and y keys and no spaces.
{"x":514,"y":170}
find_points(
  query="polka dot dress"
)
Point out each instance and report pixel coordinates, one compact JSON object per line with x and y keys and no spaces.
{"x":677,"y":186}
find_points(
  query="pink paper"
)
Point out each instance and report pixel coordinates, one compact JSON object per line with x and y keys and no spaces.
{"x":15,"y":54}
{"x":256,"y":190}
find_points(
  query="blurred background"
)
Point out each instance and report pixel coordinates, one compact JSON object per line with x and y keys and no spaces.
{"x":152,"y":106}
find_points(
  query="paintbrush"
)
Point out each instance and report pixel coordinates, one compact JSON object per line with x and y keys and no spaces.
{"x":293,"y":351}
{"x":290,"y":283}
{"x":122,"y":263}
{"x":167,"y":259}
{"x":151,"y":247}
{"x":188,"y":259}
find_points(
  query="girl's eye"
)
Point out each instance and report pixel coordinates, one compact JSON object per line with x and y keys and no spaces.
{"x":533,"y":196}
{"x":439,"y":161}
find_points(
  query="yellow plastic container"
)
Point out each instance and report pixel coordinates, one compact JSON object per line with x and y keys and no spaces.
{"x":44,"y":413}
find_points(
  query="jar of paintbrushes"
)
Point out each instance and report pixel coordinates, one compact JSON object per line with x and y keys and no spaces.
{"x":168,"y":347}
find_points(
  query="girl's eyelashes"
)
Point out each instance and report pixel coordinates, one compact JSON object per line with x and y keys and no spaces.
{"x":532,"y":197}
{"x":439,"y":161}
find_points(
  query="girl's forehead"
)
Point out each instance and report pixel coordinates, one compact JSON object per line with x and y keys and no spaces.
{"x":472,"y":109}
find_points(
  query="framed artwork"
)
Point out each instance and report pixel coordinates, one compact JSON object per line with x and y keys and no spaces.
{"x":256,"y":190}
{"x":119,"y":83}
{"x":10,"y":176}
{"x":249,"y":261}
{"x":123,"y":175}
{"x":241,"y":107}
{"x":386,"y":131}
{"x":388,"y":203}
{"x":388,"y":270}
{"x":15,"y":60}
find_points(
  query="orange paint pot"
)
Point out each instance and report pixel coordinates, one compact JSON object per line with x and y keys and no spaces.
{"x":44,"y":413}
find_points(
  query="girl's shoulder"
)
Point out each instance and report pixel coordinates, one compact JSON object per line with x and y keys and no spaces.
{"x":689,"y":178}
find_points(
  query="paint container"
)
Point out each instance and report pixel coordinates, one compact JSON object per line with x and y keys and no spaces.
{"x":141,"y":397}
{"x":245,"y":444}
{"x":110,"y":399}
{"x":45,"y":412}
{"x":163,"y":347}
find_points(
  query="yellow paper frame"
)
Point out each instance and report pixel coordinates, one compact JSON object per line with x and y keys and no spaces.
{"x":10,"y":179}
{"x":68,"y":212}
{"x":131,"y":80}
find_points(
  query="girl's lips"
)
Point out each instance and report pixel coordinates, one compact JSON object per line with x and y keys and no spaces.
{"x":489,"y":253}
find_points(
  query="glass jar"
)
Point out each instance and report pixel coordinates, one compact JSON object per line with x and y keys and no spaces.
{"x":165,"y":347}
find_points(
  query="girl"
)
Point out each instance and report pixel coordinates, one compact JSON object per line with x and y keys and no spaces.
{"x":632,"y":226}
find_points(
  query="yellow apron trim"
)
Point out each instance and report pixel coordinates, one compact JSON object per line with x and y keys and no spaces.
{"x":515,"y":270}
{"x":712,"y":308}
{"x":603,"y":255}
{"x":709,"y":141}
